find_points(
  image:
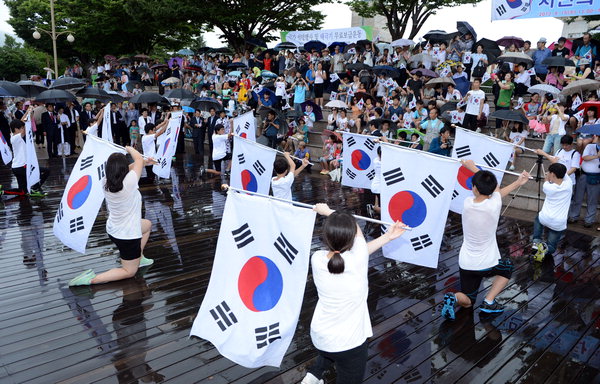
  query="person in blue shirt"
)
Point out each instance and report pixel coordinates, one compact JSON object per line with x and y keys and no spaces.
{"x":266,"y":100}
{"x":299,"y":86}
{"x":583,"y":49}
{"x":441,"y":145}
{"x":541,"y":54}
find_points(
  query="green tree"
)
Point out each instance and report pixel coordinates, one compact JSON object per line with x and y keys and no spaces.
{"x":403,"y":16}
{"x":16,"y":60}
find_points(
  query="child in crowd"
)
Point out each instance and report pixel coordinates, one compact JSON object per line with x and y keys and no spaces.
{"x":328,"y":151}
{"x":517,"y":137}
{"x":149,"y":144}
{"x":134,"y":133}
{"x":286,"y":171}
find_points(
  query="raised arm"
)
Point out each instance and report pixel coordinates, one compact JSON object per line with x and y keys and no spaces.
{"x":552,"y":159}
{"x":138,"y":161}
{"x":522,"y":180}
{"x":290,"y":162}
{"x":304,"y":164}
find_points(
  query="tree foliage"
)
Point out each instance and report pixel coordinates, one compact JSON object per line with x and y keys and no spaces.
{"x":16,"y":60}
{"x":403,"y":16}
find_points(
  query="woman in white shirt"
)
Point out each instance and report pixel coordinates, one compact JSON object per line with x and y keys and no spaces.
{"x":125,"y":226}
{"x":340,"y":325}
{"x":320,"y":77}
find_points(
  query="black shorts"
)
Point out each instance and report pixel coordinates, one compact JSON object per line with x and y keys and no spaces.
{"x":130,"y":249}
{"x":318,"y":90}
{"x":471,"y":280}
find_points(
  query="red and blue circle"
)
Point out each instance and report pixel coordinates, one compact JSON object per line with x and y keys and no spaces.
{"x":166,"y":145}
{"x":249,"y":181}
{"x":408,"y":207}
{"x":79,"y":192}
{"x":360,"y":160}
{"x":514,"y":3}
{"x":244,"y":135}
{"x":465,"y":178}
{"x":260,"y":284}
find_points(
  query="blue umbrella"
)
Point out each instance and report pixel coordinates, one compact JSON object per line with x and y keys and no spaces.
{"x":337,"y":44}
{"x":314,"y":44}
{"x":591,"y":129}
{"x":188,"y":109}
{"x":235,"y":73}
{"x":185,"y":52}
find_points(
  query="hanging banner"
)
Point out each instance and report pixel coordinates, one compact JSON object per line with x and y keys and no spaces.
{"x":528,"y":9}
{"x":328,"y":36}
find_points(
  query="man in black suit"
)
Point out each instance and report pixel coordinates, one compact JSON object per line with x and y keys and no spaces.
{"x":50,"y":123}
{"x":71,"y":132}
{"x":198,"y":134}
{"x":115,"y":126}
{"x":85,"y":117}
{"x":209,"y":128}
{"x":154,"y":114}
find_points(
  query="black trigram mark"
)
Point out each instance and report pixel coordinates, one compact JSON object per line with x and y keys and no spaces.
{"x":350,"y":141}
{"x":76,"y":224}
{"x":246,"y":127}
{"x":413,"y":376}
{"x":242,"y":236}
{"x":59,"y":214}
{"x":350,"y":174}
{"x":223,"y":316}
{"x":432,"y":186}
{"x":241,"y":158}
{"x":454,"y":194}
{"x":163,"y":162}
{"x":267,"y":335}
{"x":31,"y":170}
{"x":463,"y":151}
{"x":393,"y":176}
{"x":371,"y":174}
{"x":86,"y":162}
{"x":369,"y":144}
{"x":491,"y":160}
{"x":101,"y":171}
{"x":501,"y":10}
{"x":286,"y":249}
{"x":421,"y":242}
{"x":259,"y":167}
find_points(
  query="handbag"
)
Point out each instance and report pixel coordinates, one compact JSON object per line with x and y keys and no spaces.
{"x":479,"y":70}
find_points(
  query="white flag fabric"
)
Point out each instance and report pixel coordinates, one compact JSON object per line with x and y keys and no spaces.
{"x":251,"y":308}
{"x":252,"y":166}
{"x":167,"y":144}
{"x":416,"y":188}
{"x":361,"y":150}
{"x":83,"y":194}
{"x":245,"y":126}
{"x":481,"y":149}
{"x":106,"y":127}
{"x":576,"y":103}
{"x":32,"y":167}
{"x":5,"y":149}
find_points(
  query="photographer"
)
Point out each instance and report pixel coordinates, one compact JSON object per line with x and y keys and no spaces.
{"x":441,"y":145}
{"x":271,"y":128}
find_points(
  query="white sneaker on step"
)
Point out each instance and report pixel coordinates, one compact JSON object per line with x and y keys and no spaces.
{"x":311,"y":379}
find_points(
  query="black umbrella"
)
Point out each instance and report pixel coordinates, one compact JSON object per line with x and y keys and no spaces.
{"x":159,"y":66}
{"x":116,"y":98}
{"x":449,"y":106}
{"x":124,"y":60}
{"x":221,"y":50}
{"x":558,"y":61}
{"x":12,"y":89}
{"x":205,"y":104}
{"x":32,"y":88}
{"x":508,"y":115}
{"x":55,"y":96}
{"x":465,"y":28}
{"x":148,"y":97}
{"x":180,"y":93}
{"x":490,"y":48}
{"x":68,"y":83}
{"x":94,"y":93}
{"x":436,"y":35}
{"x":357,"y":67}
{"x":271,"y":52}
{"x":314,"y":44}
{"x":202,"y":50}
{"x":386,"y":70}
{"x":256,"y":42}
{"x":141,"y":69}
{"x":285,"y":45}
{"x":132,"y":83}
{"x":236,"y":65}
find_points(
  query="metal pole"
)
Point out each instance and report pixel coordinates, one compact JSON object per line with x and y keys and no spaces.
{"x":54,"y":39}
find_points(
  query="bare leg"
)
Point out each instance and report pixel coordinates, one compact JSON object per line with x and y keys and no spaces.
{"x":497,"y":286}
{"x":146,"y":228}
{"x":463,"y":300}
{"x":127,"y":270}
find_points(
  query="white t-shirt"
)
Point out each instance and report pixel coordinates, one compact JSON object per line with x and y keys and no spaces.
{"x":473,"y":101}
{"x":569,"y":159}
{"x":219,"y":146}
{"x":557,"y":125}
{"x":479,"y":249}
{"x":92,"y":130}
{"x":282,"y":188}
{"x":515,"y":137}
{"x":19,"y":148}
{"x":555,"y":210}
{"x":376,"y":182}
{"x":341,"y":319}
{"x":591,"y":166}
{"x":149,"y":145}
{"x":125,"y":210}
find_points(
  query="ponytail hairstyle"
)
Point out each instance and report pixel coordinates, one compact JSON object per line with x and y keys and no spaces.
{"x":117,"y":167}
{"x":339,"y":231}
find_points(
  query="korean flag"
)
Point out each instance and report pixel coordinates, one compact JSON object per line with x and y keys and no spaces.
{"x":245,"y":126}
{"x":83,"y":194}
{"x":167,"y":144}
{"x":33,"y":167}
{"x":510,"y":9}
{"x":481,"y":149}
{"x":106,"y":131}
{"x":416,"y":188}
{"x":251,"y":308}
{"x":5,"y":149}
{"x":252,"y":166}
{"x":362,"y":151}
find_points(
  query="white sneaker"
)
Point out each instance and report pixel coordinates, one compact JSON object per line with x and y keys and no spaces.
{"x":512,"y":167}
{"x":478,"y":130}
{"x":144,"y":262}
{"x":311,"y":379}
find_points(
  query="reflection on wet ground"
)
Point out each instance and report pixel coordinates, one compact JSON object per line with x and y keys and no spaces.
{"x":137,"y":330}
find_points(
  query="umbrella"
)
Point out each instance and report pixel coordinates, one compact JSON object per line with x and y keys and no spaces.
{"x":67,"y":83}
{"x":180,"y":93}
{"x":132,"y":83}
{"x":185,"y":52}
{"x":94,"y":93}
{"x":507,"y":41}
{"x":256,"y":42}
{"x":440,"y":81}
{"x":364,"y":43}
{"x":32,"y":88}
{"x":580,"y":86}
{"x":383,"y":46}
{"x":271,"y":52}
{"x":124,"y":60}
{"x":54,"y":96}
{"x":336,"y":104}
{"x":115,"y":97}
{"x":285,"y":45}
{"x":268,"y":74}
{"x":386,"y":70}
{"x":465,"y":28}
{"x":205,"y":104}
{"x":342,"y":45}
{"x":357,"y":48}
{"x":589,"y":104}
{"x":449,"y":106}
{"x":315,"y":108}
{"x":508,"y":115}
{"x":48,"y":69}
{"x":222,"y":50}
{"x":193,"y":67}
{"x":109,"y":58}
{"x":490,"y":48}
{"x":436,"y":35}
{"x":314,"y":44}
{"x":143,"y":70}
{"x":419,"y":57}
{"x":558,"y":61}
{"x":402,"y":43}
{"x":148,"y":97}
{"x":202,"y":50}
{"x":171,"y":80}
{"x":159,"y":66}
{"x":12,"y":89}
{"x":4,"y":93}
{"x":591,"y":129}
{"x":235,"y":73}
{"x":175,"y":61}
{"x":425,"y":72}
{"x":357,"y":67}
{"x":187,"y":109}
{"x":141,"y":57}
{"x":516,"y":58}
{"x":237,"y":65}
{"x":542,"y":89}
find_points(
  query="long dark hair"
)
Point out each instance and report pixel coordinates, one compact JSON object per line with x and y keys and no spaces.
{"x":117,"y":167}
{"x":339,"y":231}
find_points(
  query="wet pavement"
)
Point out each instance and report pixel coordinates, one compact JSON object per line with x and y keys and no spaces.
{"x":137,"y":330}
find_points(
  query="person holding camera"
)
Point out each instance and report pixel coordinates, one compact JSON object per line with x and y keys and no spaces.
{"x":271,"y":128}
{"x":441,"y":145}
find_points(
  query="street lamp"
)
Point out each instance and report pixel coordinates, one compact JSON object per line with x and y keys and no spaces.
{"x":53,"y":35}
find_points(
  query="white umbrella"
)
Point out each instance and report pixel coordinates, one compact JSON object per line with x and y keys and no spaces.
{"x":402,"y":43}
{"x":336,"y":104}
{"x":171,"y":80}
{"x":543,"y":89}
{"x":581,"y":85}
